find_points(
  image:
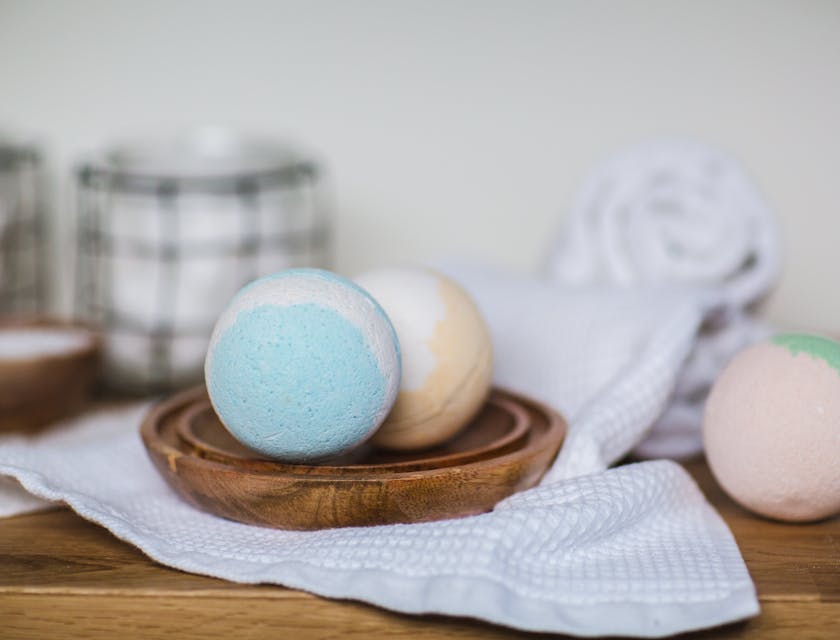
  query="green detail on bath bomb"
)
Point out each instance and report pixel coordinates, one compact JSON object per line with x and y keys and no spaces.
{"x":815,"y":346}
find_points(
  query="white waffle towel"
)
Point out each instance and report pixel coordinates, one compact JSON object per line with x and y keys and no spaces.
{"x":634,"y":550}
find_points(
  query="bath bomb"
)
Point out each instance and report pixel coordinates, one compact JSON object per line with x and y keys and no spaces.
{"x":302,"y":365}
{"x":772,"y":428}
{"x":447,"y":356}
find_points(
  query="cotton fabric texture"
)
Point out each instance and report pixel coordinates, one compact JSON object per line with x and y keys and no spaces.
{"x":634,"y":550}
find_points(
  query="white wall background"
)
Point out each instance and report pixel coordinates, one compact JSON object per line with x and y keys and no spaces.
{"x":457,"y":126}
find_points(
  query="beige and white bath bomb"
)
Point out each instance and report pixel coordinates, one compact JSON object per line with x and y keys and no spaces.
{"x":446,"y":352}
{"x":772,"y":428}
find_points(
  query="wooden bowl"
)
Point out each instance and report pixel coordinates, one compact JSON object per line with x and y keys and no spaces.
{"x":360,"y":494}
{"x":43,"y":387}
{"x":503,"y":427}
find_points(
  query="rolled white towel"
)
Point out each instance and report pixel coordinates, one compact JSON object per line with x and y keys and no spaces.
{"x":671,"y":212}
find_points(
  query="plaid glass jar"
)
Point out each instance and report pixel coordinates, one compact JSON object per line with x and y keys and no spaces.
{"x":22,"y":224}
{"x":169,"y":231}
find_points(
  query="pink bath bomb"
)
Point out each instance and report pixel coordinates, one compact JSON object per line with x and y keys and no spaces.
{"x":772,"y":428}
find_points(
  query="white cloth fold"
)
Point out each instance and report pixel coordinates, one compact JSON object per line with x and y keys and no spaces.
{"x":678,"y":431}
{"x":15,"y":500}
{"x":677,"y":213}
{"x":557,"y":343}
{"x":633,"y":551}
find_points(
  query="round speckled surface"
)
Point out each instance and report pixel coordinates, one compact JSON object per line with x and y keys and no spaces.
{"x":772,"y":428}
{"x":447,"y":356}
{"x":302,"y":365}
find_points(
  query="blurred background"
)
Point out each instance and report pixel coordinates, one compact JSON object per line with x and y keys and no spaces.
{"x":450,"y":127}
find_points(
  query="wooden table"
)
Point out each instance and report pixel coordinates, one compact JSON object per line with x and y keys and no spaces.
{"x":62,"y":577}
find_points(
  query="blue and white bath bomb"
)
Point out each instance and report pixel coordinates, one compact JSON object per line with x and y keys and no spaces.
{"x":302,"y":365}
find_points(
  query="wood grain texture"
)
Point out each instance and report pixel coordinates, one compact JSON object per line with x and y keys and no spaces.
{"x":63,"y":577}
{"x":502,"y":427}
{"x":369,"y":492}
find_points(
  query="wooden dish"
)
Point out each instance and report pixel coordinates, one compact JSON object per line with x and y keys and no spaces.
{"x":43,"y":387}
{"x":501,"y":428}
{"x":310,"y":497}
